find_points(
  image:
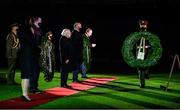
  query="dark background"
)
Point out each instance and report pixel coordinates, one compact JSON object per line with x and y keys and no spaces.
{"x":111,"y":20}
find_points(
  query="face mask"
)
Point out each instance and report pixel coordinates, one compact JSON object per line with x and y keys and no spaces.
{"x":39,"y":24}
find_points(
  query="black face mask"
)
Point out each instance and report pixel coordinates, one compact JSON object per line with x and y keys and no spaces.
{"x":80,"y":29}
{"x":17,"y":30}
{"x":40,"y":24}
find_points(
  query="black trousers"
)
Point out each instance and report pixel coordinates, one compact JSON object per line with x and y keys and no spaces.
{"x":34,"y":75}
{"x":11,"y":70}
{"x":143,"y":73}
{"x":64,"y":74}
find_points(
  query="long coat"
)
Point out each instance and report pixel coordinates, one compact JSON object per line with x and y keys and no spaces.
{"x":77,"y":42}
{"x":66,"y":53}
{"x":29,"y":53}
{"x":86,"y":51}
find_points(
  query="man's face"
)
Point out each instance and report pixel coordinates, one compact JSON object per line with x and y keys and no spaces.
{"x":143,"y":24}
{"x":39,"y":20}
{"x":68,"y":34}
{"x":15,"y":28}
{"x":79,"y":26}
{"x":89,"y":33}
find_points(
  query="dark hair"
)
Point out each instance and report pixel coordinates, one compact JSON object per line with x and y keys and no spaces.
{"x":31,"y":20}
{"x":14,"y":24}
{"x":34,"y":18}
{"x":143,"y":22}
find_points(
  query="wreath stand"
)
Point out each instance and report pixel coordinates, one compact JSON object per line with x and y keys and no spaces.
{"x":176,"y":57}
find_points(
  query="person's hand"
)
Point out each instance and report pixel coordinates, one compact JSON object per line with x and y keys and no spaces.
{"x":171,"y":56}
{"x":67,"y":61}
{"x":19,"y":46}
{"x":147,"y":46}
{"x":93,"y":45}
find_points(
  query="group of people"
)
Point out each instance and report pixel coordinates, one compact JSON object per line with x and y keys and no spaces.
{"x":75,"y":53}
{"x":26,"y":46}
{"x":36,"y":52}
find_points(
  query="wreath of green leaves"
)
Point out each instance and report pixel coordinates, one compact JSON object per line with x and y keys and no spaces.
{"x":131,"y":41}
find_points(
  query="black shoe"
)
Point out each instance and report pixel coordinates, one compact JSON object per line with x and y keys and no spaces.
{"x":84,"y":77}
{"x":36,"y":91}
{"x":76,"y":81}
{"x":65,"y":86}
{"x":25,"y":99}
{"x":142,"y":85}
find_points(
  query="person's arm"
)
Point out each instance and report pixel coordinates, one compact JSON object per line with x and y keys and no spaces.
{"x":9,"y":41}
{"x":64,"y":51}
{"x":28,"y":38}
{"x":9,"y":45}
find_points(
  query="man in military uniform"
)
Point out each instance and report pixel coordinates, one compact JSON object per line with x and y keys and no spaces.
{"x":85,"y":66}
{"x":143,"y":72}
{"x":12,"y":48}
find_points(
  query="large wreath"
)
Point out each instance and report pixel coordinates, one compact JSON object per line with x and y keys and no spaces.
{"x":131,"y":41}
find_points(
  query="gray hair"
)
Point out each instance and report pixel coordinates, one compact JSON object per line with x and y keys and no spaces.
{"x":64,"y":32}
{"x":88,"y":29}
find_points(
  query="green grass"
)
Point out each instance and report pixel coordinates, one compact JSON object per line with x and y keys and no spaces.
{"x":121,"y":93}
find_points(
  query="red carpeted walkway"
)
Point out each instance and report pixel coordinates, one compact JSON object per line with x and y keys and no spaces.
{"x":53,"y":93}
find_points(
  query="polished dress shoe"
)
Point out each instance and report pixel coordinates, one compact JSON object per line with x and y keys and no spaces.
{"x":36,"y":91}
{"x":65,"y":86}
{"x":142,"y":85}
{"x":26,"y":99}
{"x":76,"y":81}
{"x":84,"y":77}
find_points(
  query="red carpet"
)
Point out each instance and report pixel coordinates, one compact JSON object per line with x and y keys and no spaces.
{"x":53,"y":93}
